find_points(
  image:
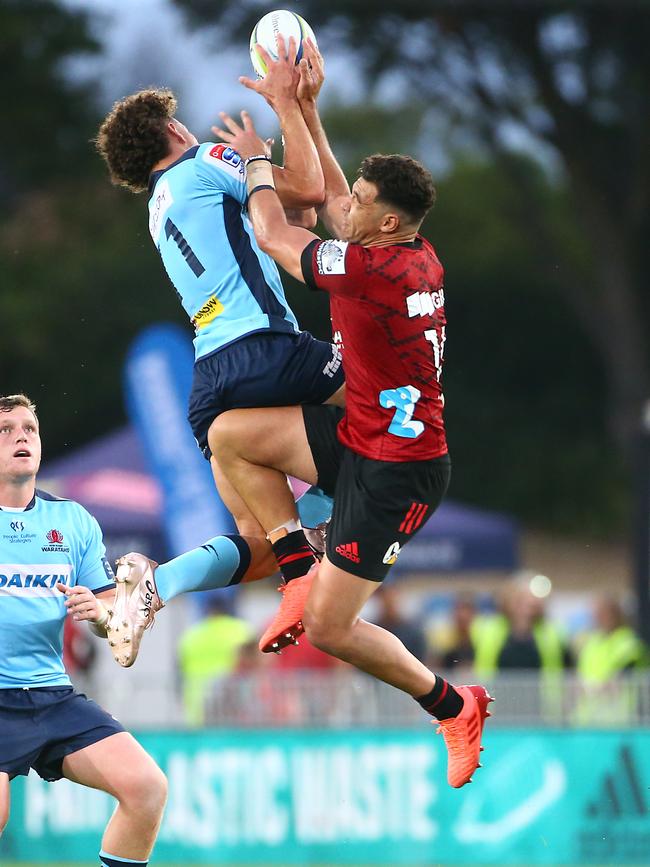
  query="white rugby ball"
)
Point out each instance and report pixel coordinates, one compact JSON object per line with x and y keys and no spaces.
{"x":266,"y":31}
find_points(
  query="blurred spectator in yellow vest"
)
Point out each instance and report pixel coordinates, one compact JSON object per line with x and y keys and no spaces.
{"x":208,"y":652}
{"x":608,"y":651}
{"x":520,"y":637}
{"x":523,"y":638}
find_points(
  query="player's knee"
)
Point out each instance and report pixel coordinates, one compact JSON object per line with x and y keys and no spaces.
{"x":4,"y":804}
{"x":4,"y":817}
{"x":145,"y":792}
{"x":224,"y":433}
{"x":322,"y":634}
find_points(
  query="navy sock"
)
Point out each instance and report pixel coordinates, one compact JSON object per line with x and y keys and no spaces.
{"x":443,"y":701}
{"x":294,"y":556}
{"x":115,"y":861}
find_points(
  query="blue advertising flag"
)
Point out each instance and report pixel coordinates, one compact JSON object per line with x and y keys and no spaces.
{"x":158,"y":379}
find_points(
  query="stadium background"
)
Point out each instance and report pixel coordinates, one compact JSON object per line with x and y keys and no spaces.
{"x":535,"y":123}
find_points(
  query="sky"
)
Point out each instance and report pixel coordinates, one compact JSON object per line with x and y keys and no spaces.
{"x":147,"y":43}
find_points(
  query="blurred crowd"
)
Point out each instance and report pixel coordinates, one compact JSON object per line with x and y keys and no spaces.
{"x":467,"y":636}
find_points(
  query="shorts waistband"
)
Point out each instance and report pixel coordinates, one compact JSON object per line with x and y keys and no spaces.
{"x":59,"y":688}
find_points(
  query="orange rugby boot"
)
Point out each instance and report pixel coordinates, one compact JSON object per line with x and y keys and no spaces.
{"x":286,"y":627}
{"x":462,"y":734}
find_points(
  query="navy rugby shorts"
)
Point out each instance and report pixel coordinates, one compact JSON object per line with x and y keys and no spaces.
{"x":263,"y":369}
{"x":40,"y":727}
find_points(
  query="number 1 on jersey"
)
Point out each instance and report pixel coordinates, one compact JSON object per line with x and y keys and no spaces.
{"x":403,"y":400}
{"x":172,"y":231}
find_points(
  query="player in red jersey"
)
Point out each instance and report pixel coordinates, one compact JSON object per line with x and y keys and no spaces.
{"x":385,"y":460}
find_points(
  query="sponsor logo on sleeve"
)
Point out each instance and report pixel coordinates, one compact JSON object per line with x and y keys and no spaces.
{"x":227,"y":158}
{"x":158,"y":207}
{"x":330,"y":257}
{"x":108,"y":569}
{"x":210,"y":310}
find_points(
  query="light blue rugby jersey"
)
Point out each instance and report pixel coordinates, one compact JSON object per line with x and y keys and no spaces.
{"x":197,"y":218}
{"x":52,"y":540}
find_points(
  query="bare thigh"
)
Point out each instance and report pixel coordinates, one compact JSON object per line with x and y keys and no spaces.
{"x":117,"y":765}
{"x":338,"y":398}
{"x":273,"y":437}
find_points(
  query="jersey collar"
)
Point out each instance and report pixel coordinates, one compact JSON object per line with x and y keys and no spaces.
{"x":154,"y":177}
{"x":29,"y":505}
{"x":415,"y":244}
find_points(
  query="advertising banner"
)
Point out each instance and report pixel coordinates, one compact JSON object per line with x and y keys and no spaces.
{"x":158,"y":379}
{"x":366,"y":797}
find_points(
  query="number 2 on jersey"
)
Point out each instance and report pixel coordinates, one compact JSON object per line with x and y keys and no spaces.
{"x":403,"y":400}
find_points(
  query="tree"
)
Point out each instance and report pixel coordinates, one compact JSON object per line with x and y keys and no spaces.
{"x":79,"y":274}
{"x":47,"y":118}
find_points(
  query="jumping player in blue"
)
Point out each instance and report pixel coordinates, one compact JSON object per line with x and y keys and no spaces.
{"x":249,"y":350}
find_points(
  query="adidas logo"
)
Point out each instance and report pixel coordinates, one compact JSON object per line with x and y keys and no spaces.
{"x":622,"y":793}
{"x":349,"y":550}
{"x":616,"y":830}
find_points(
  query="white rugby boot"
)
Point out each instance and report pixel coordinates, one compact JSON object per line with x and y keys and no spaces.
{"x":135,"y":606}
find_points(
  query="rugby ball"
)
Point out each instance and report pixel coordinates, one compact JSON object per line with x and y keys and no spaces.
{"x":266,"y":31}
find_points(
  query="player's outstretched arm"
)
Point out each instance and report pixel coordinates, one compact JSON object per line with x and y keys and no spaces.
{"x":337,"y":190}
{"x":283,"y":242}
{"x":299,"y":182}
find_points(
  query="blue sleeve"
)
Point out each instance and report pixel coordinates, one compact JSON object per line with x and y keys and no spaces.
{"x":221,"y":168}
{"x":94,"y":570}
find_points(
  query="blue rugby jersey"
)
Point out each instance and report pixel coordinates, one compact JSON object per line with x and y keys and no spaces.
{"x":197,"y":218}
{"x":51,"y":540}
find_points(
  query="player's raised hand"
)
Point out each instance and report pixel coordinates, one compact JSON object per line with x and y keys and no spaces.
{"x":281,"y":81}
{"x":312,"y":72}
{"x":82,"y":604}
{"x":243,"y":139}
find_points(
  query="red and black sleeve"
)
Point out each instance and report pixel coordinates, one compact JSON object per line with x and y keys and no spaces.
{"x":334,"y":266}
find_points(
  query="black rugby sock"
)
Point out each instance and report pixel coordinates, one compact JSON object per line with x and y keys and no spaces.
{"x":295,"y":557}
{"x":443,"y":701}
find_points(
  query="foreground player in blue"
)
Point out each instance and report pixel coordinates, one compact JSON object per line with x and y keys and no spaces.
{"x":52,"y":563}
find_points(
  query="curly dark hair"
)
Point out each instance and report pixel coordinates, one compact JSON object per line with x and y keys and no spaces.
{"x":402,"y":182}
{"x":132,"y":137}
